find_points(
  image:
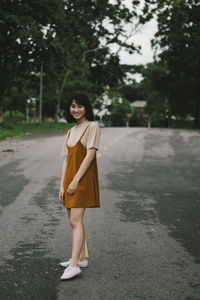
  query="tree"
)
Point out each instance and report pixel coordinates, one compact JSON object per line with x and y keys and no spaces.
{"x":133,"y":92}
{"x":57,"y":33}
{"x":118,"y":109}
{"x":178,"y":41}
{"x":155,"y":86}
{"x":25,"y":37}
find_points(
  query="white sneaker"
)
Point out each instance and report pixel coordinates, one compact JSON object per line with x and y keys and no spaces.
{"x":70,"y":272}
{"x":82,"y":264}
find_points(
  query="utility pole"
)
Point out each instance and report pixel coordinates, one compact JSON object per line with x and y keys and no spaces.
{"x":41,"y":90}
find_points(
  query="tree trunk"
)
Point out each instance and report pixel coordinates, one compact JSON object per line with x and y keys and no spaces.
{"x":1,"y":111}
{"x":197,"y":115}
{"x":169,"y":118}
{"x":169,"y":115}
{"x":60,"y":94}
{"x":1,"y":95}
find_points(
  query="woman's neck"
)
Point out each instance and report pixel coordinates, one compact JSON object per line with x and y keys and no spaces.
{"x":81,"y":121}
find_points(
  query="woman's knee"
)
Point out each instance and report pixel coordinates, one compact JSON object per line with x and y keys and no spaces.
{"x":74,"y":221}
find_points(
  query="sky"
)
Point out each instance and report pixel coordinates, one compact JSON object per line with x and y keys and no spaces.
{"x":142,"y":37}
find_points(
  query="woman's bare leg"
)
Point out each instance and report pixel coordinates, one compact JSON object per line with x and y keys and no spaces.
{"x":82,"y":255}
{"x":76,"y":220}
{"x":69,"y":212}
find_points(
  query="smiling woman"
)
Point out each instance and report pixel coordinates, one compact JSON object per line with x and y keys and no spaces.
{"x":77,"y":110}
{"x":79,"y":188}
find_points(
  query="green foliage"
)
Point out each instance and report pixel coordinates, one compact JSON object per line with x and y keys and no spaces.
{"x":138,"y":118}
{"x":57,"y":34}
{"x":118,"y":108}
{"x":178,"y":41}
{"x":155,"y":87}
{"x":133,"y":91}
{"x":13,"y":116}
{"x":155,"y":108}
{"x":11,"y":129}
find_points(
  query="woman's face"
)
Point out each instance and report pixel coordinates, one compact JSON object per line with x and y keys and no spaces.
{"x":77,"y":111}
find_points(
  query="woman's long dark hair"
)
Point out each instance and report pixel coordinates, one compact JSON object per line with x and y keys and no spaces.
{"x":80,"y":99}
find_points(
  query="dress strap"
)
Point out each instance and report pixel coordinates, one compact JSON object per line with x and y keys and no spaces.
{"x":68,"y":136}
{"x":84,"y":132}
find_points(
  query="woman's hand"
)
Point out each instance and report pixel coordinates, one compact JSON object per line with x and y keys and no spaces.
{"x":72,"y":187}
{"x":61,"y":194}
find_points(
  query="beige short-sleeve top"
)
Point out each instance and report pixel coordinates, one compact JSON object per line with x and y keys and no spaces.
{"x":89,"y":140}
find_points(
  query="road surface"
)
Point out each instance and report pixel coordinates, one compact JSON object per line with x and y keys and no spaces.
{"x":144,"y":241}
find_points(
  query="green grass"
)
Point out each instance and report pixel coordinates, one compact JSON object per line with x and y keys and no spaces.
{"x":9,"y":129}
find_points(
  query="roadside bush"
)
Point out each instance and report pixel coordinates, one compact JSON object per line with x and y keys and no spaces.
{"x":13,"y":116}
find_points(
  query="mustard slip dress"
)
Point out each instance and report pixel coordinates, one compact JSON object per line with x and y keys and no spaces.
{"x":87,"y":192}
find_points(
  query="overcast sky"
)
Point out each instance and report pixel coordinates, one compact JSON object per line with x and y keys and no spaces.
{"x":143,"y":38}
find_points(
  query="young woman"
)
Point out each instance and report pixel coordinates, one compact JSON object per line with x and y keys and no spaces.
{"x":79,"y":186}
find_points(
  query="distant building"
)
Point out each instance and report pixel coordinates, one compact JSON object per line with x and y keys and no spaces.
{"x":138,"y":104}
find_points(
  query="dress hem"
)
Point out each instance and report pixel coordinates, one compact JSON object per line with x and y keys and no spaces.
{"x":83,"y":206}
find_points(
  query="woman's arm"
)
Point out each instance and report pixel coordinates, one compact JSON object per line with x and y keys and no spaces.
{"x":64,"y":167}
{"x":83,"y":168}
{"x":61,"y":192}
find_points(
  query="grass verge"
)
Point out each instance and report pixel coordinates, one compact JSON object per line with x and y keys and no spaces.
{"x":8,"y":130}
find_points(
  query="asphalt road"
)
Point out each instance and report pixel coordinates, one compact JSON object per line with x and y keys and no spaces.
{"x":144,"y":241}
